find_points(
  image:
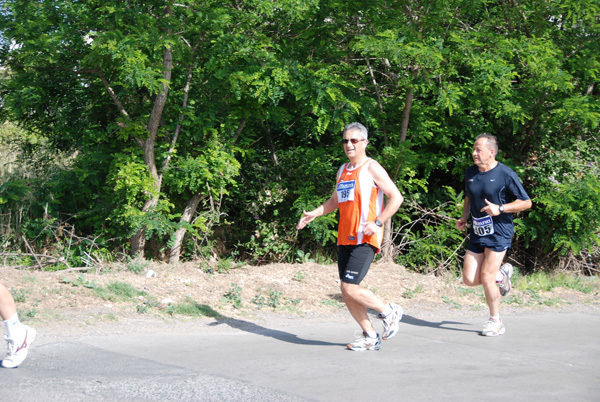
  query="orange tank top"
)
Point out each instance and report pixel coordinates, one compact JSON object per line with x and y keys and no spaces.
{"x":359,"y":201}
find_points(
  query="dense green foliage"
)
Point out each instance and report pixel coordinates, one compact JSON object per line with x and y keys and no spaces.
{"x":201,"y":129}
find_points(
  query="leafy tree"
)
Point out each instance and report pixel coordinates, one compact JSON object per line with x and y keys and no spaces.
{"x":222,"y":120}
{"x":141,"y":82}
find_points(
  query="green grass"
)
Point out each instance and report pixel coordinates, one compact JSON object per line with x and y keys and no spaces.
{"x":514,"y":299}
{"x":299,"y":277}
{"x":537,"y":298}
{"x":118,"y":291}
{"x":273,"y":298}
{"x":469,"y":290}
{"x":188,"y":308}
{"x":224,"y":265}
{"x":545,"y":282}
{"x":19,"y":295}
{"x":533,"y":286}
{"x":80,"y":281}
{"x":409,"y":294}
{"x":332,"y":303}
{"x":191,"y":308}
{"x":28,"y":314}
{"x":530,"y":288}
{"x":29,"y":279}
{"x":233,"y":296}
{"x":136,"y":265}
{"x":451,"y":302}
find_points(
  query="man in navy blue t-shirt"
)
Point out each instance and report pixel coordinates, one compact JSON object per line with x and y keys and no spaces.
{"x":493,"y":194}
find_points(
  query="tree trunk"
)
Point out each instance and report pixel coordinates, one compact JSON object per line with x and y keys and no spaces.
{"x":188,"y":213}
{"x":271,"y":146}
{"x":407,"y":107}
{"x":138,"y":241}
{"x":387,"y":248}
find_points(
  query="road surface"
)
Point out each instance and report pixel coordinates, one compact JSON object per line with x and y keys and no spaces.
{"x":542,"y":357}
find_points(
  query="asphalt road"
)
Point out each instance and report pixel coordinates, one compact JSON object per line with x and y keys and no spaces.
{"x":542,"y":357}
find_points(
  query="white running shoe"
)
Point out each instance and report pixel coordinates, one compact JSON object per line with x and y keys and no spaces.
{"x":506,"y":285}
{"x":493,"y":328}
{"x":365,"y":342}
{"x":391,"y":323}
{"x":17,"y":352}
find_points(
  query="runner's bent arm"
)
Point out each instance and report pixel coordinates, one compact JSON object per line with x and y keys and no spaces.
{"x":511,"y":207}
{"x":385,"y":184}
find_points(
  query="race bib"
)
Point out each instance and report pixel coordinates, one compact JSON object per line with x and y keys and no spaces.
{"x":345,"y":191}
{"x":483,"y":226}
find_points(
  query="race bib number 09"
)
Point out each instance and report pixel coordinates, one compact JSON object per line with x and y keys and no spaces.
{"x":345,"y":191}
{"x":483,"y":226}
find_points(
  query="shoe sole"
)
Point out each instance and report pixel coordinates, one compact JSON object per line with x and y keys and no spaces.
{"x":376,"y":347}
{"x":503,"y":291}
{"x":492,"y":334}
{"x":391,"y":335}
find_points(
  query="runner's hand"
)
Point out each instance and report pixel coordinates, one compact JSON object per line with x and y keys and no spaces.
{"x":307,"y":217}
{"x":370,"y":229}
{"x":491,"y":209}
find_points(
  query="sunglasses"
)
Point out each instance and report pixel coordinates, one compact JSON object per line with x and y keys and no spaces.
{"x":352,"y":140}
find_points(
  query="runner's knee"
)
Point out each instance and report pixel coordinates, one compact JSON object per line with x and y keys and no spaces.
{"x":349,"y":289}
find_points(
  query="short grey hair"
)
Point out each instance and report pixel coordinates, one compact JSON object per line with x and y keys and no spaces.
{"x":357,"y":126}
{"x":492,"y":141}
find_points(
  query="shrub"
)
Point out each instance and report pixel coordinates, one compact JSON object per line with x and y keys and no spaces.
{"x":565,"y":219}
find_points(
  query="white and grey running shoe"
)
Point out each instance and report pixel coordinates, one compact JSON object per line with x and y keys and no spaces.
{"x":18,"y":349}
{"x":493,"y":328}
{"x":391,"y":323}
{"x":364,"y":342}
{"x":505,"y":286}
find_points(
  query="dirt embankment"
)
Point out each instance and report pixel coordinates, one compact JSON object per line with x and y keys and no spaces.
{"x":277,"y":291}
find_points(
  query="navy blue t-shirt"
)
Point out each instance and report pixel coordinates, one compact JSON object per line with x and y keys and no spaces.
{"x":499,"y":186}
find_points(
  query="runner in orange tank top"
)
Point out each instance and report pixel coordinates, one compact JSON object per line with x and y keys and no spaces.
{"x":360,"y":201}
{"x":361,"y":184}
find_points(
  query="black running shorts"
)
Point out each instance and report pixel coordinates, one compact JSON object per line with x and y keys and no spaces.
{"x":479,"y":248}
{"x":354,"y":262}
